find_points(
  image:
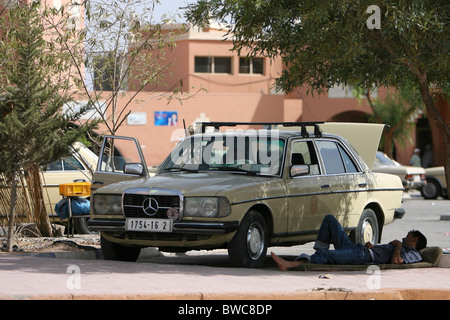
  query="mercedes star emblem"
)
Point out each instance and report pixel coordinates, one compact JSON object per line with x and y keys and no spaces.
{"x":150,"y":206}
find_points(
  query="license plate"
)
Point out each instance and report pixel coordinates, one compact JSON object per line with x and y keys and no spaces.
{"x":149,"y":225}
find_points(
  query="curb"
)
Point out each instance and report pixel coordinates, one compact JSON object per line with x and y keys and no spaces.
{"x":389,"y":294}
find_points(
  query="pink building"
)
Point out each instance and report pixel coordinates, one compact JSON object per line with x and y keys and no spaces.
{"x":235,"y":89}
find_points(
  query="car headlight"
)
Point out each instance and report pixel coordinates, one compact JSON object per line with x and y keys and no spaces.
{"x":209,"y":207}
{"x":107,"y":204}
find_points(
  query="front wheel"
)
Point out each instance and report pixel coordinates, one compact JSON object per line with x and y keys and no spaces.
{"x":367,"y":229}
{"x":248,"y":247}
{"x":115,"y":251}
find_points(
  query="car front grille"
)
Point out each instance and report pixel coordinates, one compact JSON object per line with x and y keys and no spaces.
{"x":133,"y":205}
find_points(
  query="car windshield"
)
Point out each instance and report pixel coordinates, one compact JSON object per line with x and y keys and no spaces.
{"x":253,"y":154}
{"x":383,"y":160}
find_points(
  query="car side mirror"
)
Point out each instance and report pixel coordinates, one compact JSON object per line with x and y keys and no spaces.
{"x":133,"y":168}
{"x":299,"y":170}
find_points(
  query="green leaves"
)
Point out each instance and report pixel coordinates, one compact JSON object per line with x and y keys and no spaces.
{"x":329,"y":43}
{"x":33,"y":128}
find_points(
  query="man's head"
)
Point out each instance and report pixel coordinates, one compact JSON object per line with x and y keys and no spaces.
{"x":415,"y":239}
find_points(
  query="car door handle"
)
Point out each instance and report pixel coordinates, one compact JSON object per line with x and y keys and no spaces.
{"x":362,"y":185}
{"x":98,"y":182}
{"x":325,"y":186}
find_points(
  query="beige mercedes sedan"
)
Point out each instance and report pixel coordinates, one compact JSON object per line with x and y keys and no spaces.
{"x":243,"y":190}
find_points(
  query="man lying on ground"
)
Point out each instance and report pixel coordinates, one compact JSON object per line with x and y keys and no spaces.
{"x":332,"y":232}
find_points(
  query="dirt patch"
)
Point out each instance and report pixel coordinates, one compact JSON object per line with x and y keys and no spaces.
{"x":60,"y":244}
{"x":66,"y":245}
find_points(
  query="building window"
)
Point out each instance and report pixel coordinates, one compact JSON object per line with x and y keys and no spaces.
{"x":203,"y":64}
{"x":108,"y":72}
{"x":213,"y":65}
{"x":251,"y":65}
{"x":222,"y":65}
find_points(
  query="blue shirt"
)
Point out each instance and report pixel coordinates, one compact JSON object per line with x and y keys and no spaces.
{"x":383,"y":254}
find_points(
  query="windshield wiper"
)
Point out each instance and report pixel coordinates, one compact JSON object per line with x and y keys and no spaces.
{"x":249,"y":172}
{"x":180,"y":169}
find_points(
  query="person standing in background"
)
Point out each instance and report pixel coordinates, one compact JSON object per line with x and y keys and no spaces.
{"x":415,"y":159}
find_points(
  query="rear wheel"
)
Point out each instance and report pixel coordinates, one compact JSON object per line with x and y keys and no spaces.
{"x":115,"y":251}
{"x":431,"y":190}
{"x":367,"y":229}
{"x":248,"y":247}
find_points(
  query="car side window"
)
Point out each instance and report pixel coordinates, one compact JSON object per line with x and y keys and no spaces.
{"x":72,"y":163}
{"x":67,"y":164}
{"x":331,"y":157}
{"x":117,"y":152}
{"x":53,"y":166}
{"x":348,"y":162}
{"x":303,"y":152}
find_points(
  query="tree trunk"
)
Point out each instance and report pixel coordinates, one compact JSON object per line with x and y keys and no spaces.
{"x":434,"y":115}
{"x":40,"y":213}
{"x":388,"y":140}
{"x":10,"y":239}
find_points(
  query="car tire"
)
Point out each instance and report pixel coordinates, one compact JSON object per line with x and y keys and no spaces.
{"x":248,"y":248}
{"x":115,"y":251}
{"x":431,"y":190}
{"x":81,"y":226}
{"x":367,"y":229}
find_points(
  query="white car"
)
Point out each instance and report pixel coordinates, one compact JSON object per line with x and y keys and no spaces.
{"x":75,"y":168}
{"x":412,"y":177}
{"x":436,"y":184}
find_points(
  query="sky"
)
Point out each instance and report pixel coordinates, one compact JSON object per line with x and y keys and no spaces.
{"x":171,"y":7}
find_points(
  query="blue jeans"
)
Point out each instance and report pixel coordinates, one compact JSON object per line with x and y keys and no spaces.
{"x":331,"y":232}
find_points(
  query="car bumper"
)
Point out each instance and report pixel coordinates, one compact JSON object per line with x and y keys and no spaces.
{"x":193,"y":227}
{"x":399,"y":213}
{"x":414,"y":184}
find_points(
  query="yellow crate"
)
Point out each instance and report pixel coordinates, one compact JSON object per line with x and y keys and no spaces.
{"x":75,"y":189}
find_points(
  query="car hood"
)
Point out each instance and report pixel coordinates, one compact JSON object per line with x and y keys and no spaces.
{"x":399,"y":169}
{"x":191,"y":184}
{"x":364,"y":137}
{"x":438,"y":171}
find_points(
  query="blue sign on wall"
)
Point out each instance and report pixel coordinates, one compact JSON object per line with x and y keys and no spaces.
{"x":166,"y":118}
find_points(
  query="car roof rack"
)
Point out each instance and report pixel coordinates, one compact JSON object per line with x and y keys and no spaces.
{"x":302,"y":125}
